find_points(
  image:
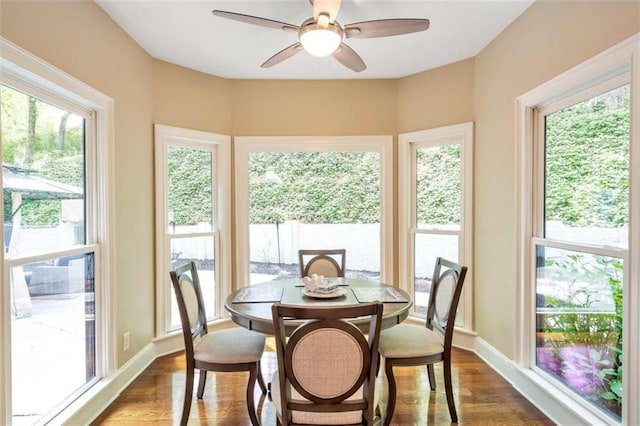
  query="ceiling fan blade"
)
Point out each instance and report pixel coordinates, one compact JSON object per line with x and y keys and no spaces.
{"x":254,"y":20}
{"x":385,"y":27}
{"x":285,"y":53}
{"x":349,"y":58}
{"x":330,"y":7}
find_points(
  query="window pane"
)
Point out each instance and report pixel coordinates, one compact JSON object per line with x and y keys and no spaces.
{"x":202,"y":251}
{"x":313,"y":200}
{"x":587,"y":171}
{"x":427,"y":248}
{"x":52,"y":333}
{"x":438,"y":186}
{"x":579,"y":323}
{"x":190,"y":199}
{"x":52,"y":302}
{"x":43,"y":175}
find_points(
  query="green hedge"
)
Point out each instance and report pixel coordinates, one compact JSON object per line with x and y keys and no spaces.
{"x":586,"y":160}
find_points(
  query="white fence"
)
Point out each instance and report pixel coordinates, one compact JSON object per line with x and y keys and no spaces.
{"x":279,"y":243}
{"x":361,"y":241}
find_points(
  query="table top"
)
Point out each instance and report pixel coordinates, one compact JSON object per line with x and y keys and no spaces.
{"x":256,"y":315}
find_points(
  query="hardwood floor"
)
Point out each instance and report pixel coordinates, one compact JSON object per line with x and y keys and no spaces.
{"x":482,"y":397}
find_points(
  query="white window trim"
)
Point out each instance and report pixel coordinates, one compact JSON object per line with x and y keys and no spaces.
{"x":407,"y":211}
{"x":244,"y":145}
{"x":16,"y":63}
{"x":612,"y":62}
{"x":165,"y":136}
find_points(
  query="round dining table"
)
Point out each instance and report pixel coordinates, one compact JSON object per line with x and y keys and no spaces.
{"x":250,"y":307}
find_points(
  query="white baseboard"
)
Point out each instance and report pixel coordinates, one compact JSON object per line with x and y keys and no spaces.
{"x":464,"y":339}
{"x":89,"y":406}
{"x":169,"y":344}
{"x":560,"y":408}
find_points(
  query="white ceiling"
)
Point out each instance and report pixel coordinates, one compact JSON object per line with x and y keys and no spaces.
{"x":184,"y":32}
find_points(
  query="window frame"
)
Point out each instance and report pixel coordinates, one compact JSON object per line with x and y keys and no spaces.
{"x":245,"y":145}
{"x":407,"y":145}
{"x":219,"y":146}
{"x":24,"y":71}
{"x":581,"y":82}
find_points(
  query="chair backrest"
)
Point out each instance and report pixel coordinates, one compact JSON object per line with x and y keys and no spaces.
{"x":327,"y":365}
{"x":193,"y":317}
{"x":322,"y":262}
{"x":448,"y":278}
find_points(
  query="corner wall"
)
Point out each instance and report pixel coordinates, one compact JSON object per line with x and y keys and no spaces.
{"x":435,"y":98}
{"x":191,"y":99}
{"x":547,"y":39}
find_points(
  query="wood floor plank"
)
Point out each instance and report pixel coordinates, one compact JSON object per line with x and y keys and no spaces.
{"x":482,"y":397}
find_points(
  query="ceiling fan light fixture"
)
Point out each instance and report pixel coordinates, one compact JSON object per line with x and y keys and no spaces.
{"x":320,"y":41}
{"x":321,"y":35}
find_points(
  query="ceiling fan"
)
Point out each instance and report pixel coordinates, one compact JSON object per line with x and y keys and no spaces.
{"x":322,"y":35}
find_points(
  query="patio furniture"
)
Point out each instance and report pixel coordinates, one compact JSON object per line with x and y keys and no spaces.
{"x":65,"y":276}
{"x":327,"y":369}
{"x":414,"y":345}
{"x":322,"y":262}
{"x":233,"y":349}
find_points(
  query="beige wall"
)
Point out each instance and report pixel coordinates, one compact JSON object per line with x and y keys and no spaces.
{"x":436,"y":98}
{"x":549,"y":38}
{"x":309,"y":108}
{"x":80,"y":39}
{"x":191,"y":99}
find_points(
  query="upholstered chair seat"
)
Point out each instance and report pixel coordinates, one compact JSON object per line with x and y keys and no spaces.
{"x":230,"y":346}
{"x":410,"y":341}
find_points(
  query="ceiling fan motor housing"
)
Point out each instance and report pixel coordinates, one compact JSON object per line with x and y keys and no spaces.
{"x":318,"y":39}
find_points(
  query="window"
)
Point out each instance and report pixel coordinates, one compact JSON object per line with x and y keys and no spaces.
{"x":435,"y":209}
{"x":192,"y":211}
{"x":329,"y":192}
{"x":581,"y":240}
{"x":56,"y":240}
{"x":576,"y":202}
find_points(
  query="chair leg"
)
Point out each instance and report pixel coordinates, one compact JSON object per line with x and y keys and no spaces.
{"x":449,"y":390}
{"x":188,"y":395}
{"x":391,"y":401}
{"x":432,"y":376}
{"x":253,"y":376}
{"x":201,"y":383}
{"x":263,"y":386}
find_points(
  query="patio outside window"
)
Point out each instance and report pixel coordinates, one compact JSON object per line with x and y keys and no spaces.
{"x":49,"y":260}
